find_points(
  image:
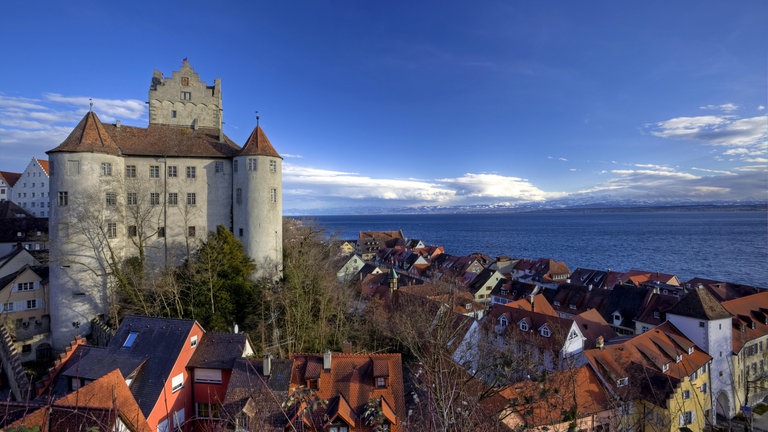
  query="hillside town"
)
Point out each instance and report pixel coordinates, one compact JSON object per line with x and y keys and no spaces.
{"x":128,"y":308}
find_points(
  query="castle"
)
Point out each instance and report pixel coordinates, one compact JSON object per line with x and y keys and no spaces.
{"x":119,"y":191}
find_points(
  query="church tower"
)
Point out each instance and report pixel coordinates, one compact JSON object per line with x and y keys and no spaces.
{"x":185,"y":100}
{"x":257,"y":208}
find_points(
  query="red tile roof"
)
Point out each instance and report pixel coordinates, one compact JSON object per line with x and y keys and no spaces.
{"x":353,"y":377}
{"x":88,"y":136}
{"x":750,"y":318}
{"x":10,"y":177}
{"x":258,"y":145}
{"x":44,"y":165}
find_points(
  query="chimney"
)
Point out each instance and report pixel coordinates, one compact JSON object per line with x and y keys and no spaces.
{"x":327,"y":360}
{"x":532,"y":306}
{"x":600,"y":343}
{"x":267,"y":365}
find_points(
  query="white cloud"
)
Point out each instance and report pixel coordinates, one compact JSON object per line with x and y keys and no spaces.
{"x":761,"y":107}
{"x":711,"y":171}
{"x":107,"y":109}
{"x":727,"y":107}
{"x":291,"y":156}
{"x":714,"y":130}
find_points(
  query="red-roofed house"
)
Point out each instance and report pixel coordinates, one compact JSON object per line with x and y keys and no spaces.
{"x":351,"y":384}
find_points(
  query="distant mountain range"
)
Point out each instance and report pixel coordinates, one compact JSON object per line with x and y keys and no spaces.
{"x":552,"y":205}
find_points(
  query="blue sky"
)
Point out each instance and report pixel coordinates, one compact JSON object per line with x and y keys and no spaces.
{"x":378,"y":105}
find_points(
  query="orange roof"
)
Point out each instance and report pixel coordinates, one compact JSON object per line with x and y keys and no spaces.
{"x":44,"y":165}
{"x":353,"y":376}
{"x":750,"y":318}
{"x":258,"y":145}
{"x":108,"y":395}
{"x":540,"y":305}
{"x":663,"y":349}
{"x":548,"y":400}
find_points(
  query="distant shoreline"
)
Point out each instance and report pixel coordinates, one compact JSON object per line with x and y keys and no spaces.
{"x":573,"y":209}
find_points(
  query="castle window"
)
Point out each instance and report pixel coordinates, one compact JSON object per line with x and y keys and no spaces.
{"x":73,"y":167}
{"x":273,"y":166}
{"x":111,"y":230}
{"x":191,"y":172}
{"x":173,"y":198}
{"x":131,"y":198}
{"x":191,"y":198}
{"x":106,"y":169}
{"x":132,"y":231}
{"x":191,"y":231}
{"x":111,"y":199}
{"x":239,"y":195}
{"x":273,"y":195}
{"x":219,"y":167}
{"x":251,"y":164}
{"x":161,"y":231}
{"x":130,"y":171}
{"x":63,"y":199}
{"x":154,"y":198}
{"x":173,"y":113}
{"x":172,"y":171}
{"x":154,"y":171}
{"x":185,"y":95}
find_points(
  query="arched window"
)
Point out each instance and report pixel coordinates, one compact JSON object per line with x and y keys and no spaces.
{"x":523,"y":326}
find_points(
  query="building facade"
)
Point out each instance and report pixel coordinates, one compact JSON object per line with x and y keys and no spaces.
{"x":31,"y":189}
{"x":120,"y":191}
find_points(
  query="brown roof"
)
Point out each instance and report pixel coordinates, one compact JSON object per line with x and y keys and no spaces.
{"x":750,"y":318}
{"x":352,"y":376}
{"x":258,"y":145}
{"x":88,"y":136}
{"x":652,"y":350}
{"x":538,"y":304}
{"x":592,"y":325}
{"x":700,"y":304}
{"x":543,"y":403}
{"x":103,"y":399}
{"x":10,"y":177}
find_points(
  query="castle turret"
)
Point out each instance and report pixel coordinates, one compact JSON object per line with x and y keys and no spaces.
{"x":257,"y":209}
{"x":85,"y":186}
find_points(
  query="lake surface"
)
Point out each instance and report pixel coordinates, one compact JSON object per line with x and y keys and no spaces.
{"x":723,"y":245}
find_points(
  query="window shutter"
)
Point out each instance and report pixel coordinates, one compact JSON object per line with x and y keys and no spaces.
{"x":682,"y":419}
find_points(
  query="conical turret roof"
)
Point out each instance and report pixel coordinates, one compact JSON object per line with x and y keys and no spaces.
{"x":88,"y":136}
{"x":258,"y":145}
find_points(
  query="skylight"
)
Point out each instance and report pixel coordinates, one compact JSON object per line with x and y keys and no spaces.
{"x":130,"y":339}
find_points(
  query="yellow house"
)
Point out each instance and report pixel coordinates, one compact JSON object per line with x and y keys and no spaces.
{"x":750,"y":348}
{"x":24,"y":311}
{"x":660,"y":380}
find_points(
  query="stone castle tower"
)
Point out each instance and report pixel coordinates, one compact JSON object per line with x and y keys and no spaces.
{"x":117,"y":191}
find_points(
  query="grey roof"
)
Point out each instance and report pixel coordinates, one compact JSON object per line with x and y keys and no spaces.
{"x":700,"y":304}
{"x":218,"y":350}
{"x":248,"y":383}
{"x":157,"y":346}
{"x":627,"y":300}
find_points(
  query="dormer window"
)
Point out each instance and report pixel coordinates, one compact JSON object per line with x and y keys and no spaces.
{"x":656,"y":314}
{"x":523,"y":326}
{"x":193,"y":341}
{"x":621,"y":382}
{"x":572,"y":306}
{"x":690,"y":350}
{"x":679,"y":358}
{"x":545,"y":332}
{"x":312,"y":384}
{"x":665,"y":367}
{"x":557,"y":303}
{"x":381,"y":382}
{"x":503,"y":321}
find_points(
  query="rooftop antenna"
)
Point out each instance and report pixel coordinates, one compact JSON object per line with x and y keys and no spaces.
{"x":91,"y":102}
